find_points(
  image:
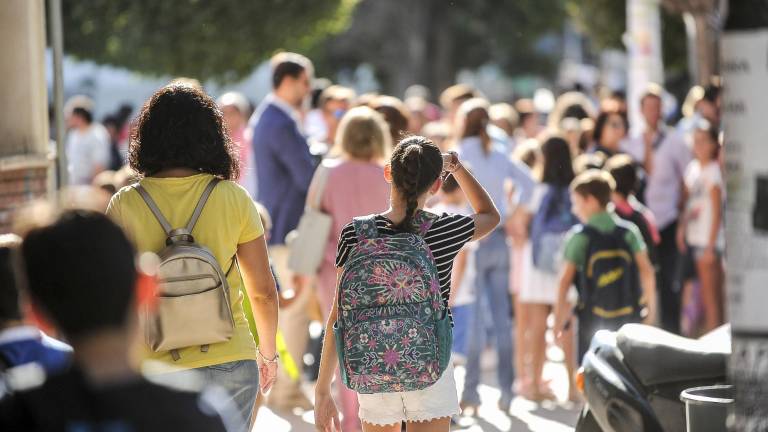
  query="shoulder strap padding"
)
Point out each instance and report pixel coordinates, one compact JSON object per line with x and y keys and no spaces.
{"x":154,"y":208}
{"x":365,"y":227}
{"x":201,"y":203}
{"x":424,"y":221}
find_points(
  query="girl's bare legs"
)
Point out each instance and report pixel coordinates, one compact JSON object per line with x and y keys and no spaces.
{"x":367,"y":427}
{"x":522,"y":370}
{"x":709,"y":278}
{"x":721,"y":291}
{"x":687,"y":317}
{"x":569,"y":349}
{"x":436,"y":425}
{"x":537,"y":330}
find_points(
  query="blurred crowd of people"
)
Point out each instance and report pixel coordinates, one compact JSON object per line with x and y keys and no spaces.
{"x":314,"y":145}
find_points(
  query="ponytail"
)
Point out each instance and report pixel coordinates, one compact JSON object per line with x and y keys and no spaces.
{"x":476,"y":121}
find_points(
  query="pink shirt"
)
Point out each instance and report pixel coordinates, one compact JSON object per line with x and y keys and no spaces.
{"x":353,"y":189}
{"x":247,"y":166}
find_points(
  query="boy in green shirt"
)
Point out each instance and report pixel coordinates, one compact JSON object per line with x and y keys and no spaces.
{"x":606,"y":258}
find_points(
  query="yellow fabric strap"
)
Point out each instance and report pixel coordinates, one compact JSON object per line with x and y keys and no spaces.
{"x":606,"y":254}
{"x":608,"y":314}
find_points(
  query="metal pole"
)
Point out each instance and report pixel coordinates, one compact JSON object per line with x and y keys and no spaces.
{"x":57,"y":41}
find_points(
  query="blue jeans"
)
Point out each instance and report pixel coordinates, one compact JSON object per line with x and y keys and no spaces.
{"x":492,"y":304}
{"x":240,"y":379}
{"x":462,"y":319}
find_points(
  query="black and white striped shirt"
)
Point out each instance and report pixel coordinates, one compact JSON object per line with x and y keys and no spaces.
{"x":445,"y":239}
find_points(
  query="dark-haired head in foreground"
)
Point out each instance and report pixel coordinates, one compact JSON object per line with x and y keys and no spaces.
{"x":21,"y":343}
{"x":81,"y":272}
{"x":10,"y":311}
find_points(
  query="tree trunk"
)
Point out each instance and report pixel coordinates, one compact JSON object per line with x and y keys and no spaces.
{"x":415,"y":25}
{"x":703,"y":30}
{"x":706,"y":52}
{"x":442,"y":69}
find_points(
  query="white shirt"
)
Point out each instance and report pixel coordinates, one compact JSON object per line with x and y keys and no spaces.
{"x":635,"y":144}
{"x":698,"y":210}
{"x":494,"y":169}
{"x":315,"y":126}
{"x":664,"y":188}
{"x":87,"y":150}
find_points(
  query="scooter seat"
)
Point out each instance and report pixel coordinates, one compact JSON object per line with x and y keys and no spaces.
{"x":657,"y":356}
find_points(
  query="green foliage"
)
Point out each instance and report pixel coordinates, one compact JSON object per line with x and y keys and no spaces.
{"x":605,"y":21}
{"x":454,"y":35}
{"x":204,"y":39}
{"x":507,"y":31}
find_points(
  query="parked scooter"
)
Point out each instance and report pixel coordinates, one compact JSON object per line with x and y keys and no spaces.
{"x":632,"y":378}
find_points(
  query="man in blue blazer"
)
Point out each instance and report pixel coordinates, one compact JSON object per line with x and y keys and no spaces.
{"x":284,"y":165}
{"x":284,"y":169}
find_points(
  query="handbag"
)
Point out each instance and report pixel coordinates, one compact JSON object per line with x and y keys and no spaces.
{"x":307,"y":243}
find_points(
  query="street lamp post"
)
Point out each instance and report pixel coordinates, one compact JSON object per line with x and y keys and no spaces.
{"x":57,"y":42}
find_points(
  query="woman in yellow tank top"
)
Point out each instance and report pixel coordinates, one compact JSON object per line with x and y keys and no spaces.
{"x":177,"y":146}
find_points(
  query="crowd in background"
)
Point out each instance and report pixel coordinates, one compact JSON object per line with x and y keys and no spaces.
{"x":665,"y":178}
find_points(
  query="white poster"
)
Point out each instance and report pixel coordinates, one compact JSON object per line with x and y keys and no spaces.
{"x":643,"y":40}
{"x":745,"y":124}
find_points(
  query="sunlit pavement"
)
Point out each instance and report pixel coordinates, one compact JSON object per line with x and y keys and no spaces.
{"x":525,"y":415}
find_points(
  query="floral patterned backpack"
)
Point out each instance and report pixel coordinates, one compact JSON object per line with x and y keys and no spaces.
{"x":393,"y":333}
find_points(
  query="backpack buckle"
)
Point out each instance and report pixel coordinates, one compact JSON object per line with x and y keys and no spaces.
{"x":179,"y":235}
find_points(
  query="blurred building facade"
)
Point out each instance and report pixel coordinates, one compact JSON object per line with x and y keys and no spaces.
{"x":25,"y":165}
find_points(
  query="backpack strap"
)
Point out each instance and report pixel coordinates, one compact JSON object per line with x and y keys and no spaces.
{"x":167,"y":228}
{"x":424,"y":221}
{"x":201,"y":203}
{"x":585,"y":293}
{"x":365,"y":227}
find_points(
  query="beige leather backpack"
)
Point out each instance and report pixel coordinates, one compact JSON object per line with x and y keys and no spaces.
{"x":193,"y":305}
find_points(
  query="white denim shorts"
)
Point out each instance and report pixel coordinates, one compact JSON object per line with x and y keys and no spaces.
{"x":436,"y":401}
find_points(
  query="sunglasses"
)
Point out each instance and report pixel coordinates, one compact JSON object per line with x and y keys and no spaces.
{"x":616,"y":125}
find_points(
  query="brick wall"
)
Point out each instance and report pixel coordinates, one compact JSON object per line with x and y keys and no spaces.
{"x":20,"y":184}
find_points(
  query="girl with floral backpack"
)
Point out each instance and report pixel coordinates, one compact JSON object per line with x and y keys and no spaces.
{"x":390,"y":326}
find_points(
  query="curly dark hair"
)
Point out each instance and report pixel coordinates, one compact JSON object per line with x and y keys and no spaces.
{"x":416,"y":163}
{"x":181,"y":127}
